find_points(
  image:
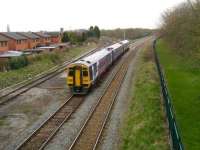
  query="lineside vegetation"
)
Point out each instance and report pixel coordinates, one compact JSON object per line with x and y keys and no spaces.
{"x":130,"y":33}
{"x":39,"y":64}
{"x":144,"y":126}
{"x":179,"y":52}
{"x":181,"y":28}
{"x":183,"y":78}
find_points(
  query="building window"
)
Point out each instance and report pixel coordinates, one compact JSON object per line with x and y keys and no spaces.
{"x":3,"y":43}
{"x":19,"y":41}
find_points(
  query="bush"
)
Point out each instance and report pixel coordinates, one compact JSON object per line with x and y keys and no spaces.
{"x":130,"y":33}
{"x":181,"y":26}
{"x":55,"y":58}
{"x":18,"y":62}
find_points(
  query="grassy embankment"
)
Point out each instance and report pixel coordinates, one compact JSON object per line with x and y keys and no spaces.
{"x":45,"y":63}
{"x":183,"y":78}
{"x":144,"y":126}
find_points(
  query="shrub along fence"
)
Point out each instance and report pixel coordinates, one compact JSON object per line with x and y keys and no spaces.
{"x":173,"y":128}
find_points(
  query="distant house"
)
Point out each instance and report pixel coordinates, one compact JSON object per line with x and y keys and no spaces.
{"x":16,"y":41}
{"x":3,"y":43}
{"x":45,"y":39}
{"x":55,"y":37}
{"x":33,"y":40}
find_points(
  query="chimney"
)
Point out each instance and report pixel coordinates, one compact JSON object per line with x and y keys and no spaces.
{"x":8,"y":28}
{"x":61,"y":31}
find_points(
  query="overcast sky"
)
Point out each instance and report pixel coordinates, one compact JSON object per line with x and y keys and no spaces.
{"x":35,"y":15}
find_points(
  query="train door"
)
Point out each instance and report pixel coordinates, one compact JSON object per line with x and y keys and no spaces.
{"x":113,"y":58}
{"x":95,"y":70}
{"x":78,"y":74}
{"x":70,"y":77}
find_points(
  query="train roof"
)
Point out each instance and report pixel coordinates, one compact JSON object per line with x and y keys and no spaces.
{"x":96,"y":56}
{"x":124,"y":41}
{"x":93,"y":58}
{"x":114,"y":46}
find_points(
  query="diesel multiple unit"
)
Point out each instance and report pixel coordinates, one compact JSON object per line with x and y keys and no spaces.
{"x":84,"y":73}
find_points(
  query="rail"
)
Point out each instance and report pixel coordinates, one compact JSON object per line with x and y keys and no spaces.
{"x":39,"y":138}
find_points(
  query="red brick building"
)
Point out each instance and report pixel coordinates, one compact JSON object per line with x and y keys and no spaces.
{"x":3,"y":43}
{"x":16,"y":41}
{"x":45,"y":39}
{"x":55,"y":37}
{"x":33,"y":40}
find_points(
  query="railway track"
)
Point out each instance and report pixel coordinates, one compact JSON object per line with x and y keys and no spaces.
{"x":48,"y":129}
{"x":90,"y":133}
{"x":41,"y":136}
{"x":12,"y":92}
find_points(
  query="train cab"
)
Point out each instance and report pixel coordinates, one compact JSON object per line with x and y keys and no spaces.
{"x":84,"y":73}
{"x":78,"y":78}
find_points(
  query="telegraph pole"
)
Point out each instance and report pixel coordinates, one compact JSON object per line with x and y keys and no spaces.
{"x":124,"y":34}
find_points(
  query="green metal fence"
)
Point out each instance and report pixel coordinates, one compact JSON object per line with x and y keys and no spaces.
{"x":174,"y":132}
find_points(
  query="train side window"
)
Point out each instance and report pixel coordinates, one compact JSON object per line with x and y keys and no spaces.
{"x":95,"y":69}
{"x":91,"y":75}
{"x":71,"y":72}
{"x":85,"y":73}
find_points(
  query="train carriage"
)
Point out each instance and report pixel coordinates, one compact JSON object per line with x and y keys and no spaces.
{"x":117,"y":50}
{"x":84,"y":73}
{"x":125,"y":44}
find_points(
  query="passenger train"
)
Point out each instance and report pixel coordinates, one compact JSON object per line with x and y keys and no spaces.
{"x":83,"y":74}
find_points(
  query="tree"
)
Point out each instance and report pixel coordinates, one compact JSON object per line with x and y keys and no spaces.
{"x":181,"y":28}
{"x":73,"y":37}
{"x":65,"y":37}
{"x":91,"y":31}
{"x":84,"y":36}
{"x":97,"y":32}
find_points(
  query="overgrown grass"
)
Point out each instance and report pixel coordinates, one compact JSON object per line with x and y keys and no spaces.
{"x":144,"y":127}
{"x":183,"y":78}
{"x":44,"y":63}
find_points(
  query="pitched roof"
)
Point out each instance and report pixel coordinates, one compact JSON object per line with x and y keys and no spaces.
{"x":3,"y":38}
{"x":42,"y":34}
{"x":29,"y":35}
{"x":14,"y":35}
